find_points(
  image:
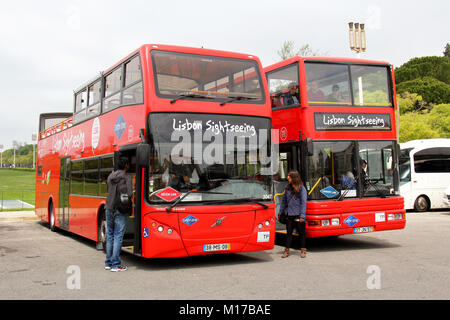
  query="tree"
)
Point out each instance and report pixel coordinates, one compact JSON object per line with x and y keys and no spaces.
{"x":416,"y":126}
{"x":447,"y":50}
{"x":410,"y":102}
{"x":435,"y":67}
{"x":439,"y":120}
{"x":432,"y":90}
{"x":288,"y":50}
{"x":24,"y":155}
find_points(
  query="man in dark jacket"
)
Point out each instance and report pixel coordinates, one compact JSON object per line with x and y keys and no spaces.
{"x":116,"y":221}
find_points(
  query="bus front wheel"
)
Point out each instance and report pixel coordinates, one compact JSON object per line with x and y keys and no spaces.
{"x":421,"y":204}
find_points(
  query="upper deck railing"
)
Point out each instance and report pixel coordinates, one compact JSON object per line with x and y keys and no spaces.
{"x":63,"y":125}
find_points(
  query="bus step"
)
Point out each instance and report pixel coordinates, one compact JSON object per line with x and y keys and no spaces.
{"x":129,"y":249}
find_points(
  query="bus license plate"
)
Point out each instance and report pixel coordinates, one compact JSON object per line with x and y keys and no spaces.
{"x":362,"y":229}
{"x":216,"y":247}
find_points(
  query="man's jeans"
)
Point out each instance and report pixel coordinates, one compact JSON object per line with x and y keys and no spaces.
{"x":115,"y":228}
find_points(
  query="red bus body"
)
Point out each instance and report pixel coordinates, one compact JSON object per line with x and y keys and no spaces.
{"x":187,"y":229}
{"x":305,"y":123}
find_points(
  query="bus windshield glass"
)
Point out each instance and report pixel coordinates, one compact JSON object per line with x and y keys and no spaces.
{"x":214,"y":157}
{"x":405,"y":166}
{"x":181,"y":75}
{"x":344,"y":85}
{"x":339,"y":170}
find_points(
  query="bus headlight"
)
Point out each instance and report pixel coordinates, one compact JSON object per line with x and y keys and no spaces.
{"x":335,"y":222}
{"x":267,"y":223}
{"x":325,"y":222}
{"x":160,"y":229}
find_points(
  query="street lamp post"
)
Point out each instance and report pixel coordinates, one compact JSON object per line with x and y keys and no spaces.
{"x":33,"y":139}
{"x":357,"y":38}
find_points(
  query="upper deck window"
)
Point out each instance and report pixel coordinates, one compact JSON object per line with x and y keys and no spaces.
{"x":331,"y":84}
{"x":80,"y":101}
{"x":134,"y":93}
{"x":328,"y":84}
{"x":113,"y":82}
{"x":206,"y":77}
{"x":370,"y":86}
{"x":283,"y":86}
{"x":94,"y":92}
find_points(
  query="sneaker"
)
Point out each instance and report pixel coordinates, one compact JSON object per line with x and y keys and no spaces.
{"x":119,"y":268}
{"x":107,"y":268}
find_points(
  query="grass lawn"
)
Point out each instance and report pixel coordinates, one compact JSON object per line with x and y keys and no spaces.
{"x":17,"y":185}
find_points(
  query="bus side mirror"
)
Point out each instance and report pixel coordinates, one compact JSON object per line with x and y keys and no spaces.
{"x":143,"y":155}
{"x":309,"y":147}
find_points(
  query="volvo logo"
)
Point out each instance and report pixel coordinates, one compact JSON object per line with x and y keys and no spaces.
{"x":218,"y":222}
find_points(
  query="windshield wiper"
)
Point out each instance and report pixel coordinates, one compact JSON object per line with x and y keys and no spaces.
{"x":377,"y":190}
{"x":241,"y":199}
{"x":343,"y":194}
{"x":189,"y":95}
{"x":236,"y":98}
{"x":188,"y":193}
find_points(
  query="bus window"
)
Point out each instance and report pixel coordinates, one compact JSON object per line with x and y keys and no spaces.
{"x":132,"y":71}
{"x":106,"y":167}
{"x":91,"y":186}
{"x":180,"y":74}
{"x":80,"y":101}
{"x":379,"y":157}
{"x":432,"y":160}
{"x":328,"y":84}
{"x":405,"y":166}
{"x":283,"y":86}
{"x":134,"y":93}
{"x":77,"y":178}
{"x":112,"y":85}
{"x":370,"y":85}
{"x":94,"y":91}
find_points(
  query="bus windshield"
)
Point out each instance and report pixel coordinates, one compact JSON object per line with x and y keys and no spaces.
{"x":405,"y":166}
{"x":219,"y":157}
{"x":198,"y":76}
{"x":344,"y":85}
{"x":336,"y":170}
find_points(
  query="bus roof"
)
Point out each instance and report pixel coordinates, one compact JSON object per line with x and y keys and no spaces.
{"x":425,"y":143}
{"x":172,"y":48}
{"x":182,"y":49}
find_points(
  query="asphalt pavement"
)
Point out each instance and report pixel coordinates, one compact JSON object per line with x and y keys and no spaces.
{"x":413,"y":263}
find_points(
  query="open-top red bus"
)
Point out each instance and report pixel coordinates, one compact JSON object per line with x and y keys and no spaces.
{"x":195,"y":124}
{"x":337,"y":127}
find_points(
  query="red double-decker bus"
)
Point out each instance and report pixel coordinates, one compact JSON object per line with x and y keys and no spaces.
{"x":195,"y":125}
{"x":337,"y":126}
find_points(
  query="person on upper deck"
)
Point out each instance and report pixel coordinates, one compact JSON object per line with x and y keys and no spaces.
{"x":315,"y":94}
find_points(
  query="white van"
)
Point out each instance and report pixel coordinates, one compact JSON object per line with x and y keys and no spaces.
{"x":424,"y":173}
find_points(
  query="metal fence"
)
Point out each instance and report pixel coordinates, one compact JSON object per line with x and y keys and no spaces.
{"x":16,"y":199}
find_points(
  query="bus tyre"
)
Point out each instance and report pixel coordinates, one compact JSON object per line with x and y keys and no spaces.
{"x":101,"y":241}
{"x":421,"y":204}
{"x":51,"y":217}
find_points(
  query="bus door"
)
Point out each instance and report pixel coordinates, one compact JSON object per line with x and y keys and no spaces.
{"x":129,"y":152}
{"x":64,"y":181}
{"x":289,"y":159}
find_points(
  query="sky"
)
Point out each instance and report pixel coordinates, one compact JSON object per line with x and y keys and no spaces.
{"x":50,"y":48}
